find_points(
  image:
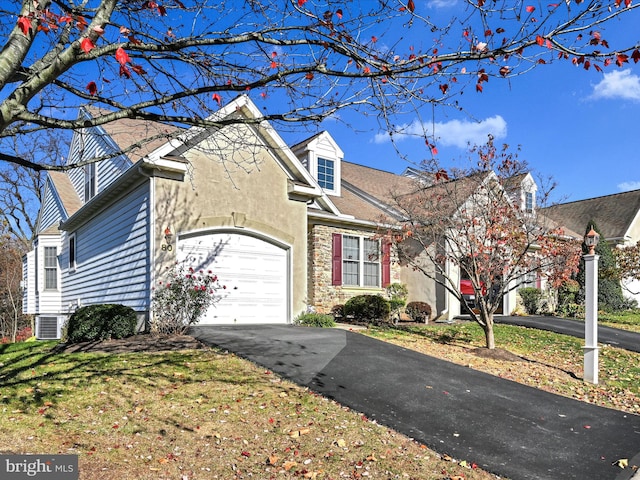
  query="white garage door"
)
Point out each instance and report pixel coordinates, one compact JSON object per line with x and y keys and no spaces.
{"x":254,"y":271}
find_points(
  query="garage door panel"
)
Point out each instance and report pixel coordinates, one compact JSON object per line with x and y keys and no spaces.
{"x":254,"y":271}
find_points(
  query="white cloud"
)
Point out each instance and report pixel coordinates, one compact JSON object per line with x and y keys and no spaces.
{"x":442,"y":3}
{"x":456,"y":133}
{"x":618,"y":84}
{"x":627,"y":186}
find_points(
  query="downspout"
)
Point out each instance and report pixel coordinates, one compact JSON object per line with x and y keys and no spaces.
{"x":445,"y":311}
{"x":152,"y":242}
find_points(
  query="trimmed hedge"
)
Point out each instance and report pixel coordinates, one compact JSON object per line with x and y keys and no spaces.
{"x":367,"y":308}
{"x":101,"y":322}
{"x":418,"y":311}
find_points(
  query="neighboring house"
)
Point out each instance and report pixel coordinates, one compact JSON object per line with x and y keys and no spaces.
{"x":284,"y":228}
{"x":617,"y":217}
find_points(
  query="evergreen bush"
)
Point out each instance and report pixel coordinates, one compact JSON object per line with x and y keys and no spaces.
{"x":531,"y":298}
{"x":101,"y":322}
{"x":367,"y":308}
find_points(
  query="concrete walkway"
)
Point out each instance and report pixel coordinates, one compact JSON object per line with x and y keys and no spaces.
{"x":509,"y":429}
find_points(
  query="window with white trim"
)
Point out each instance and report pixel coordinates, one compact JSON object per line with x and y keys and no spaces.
{"x":89,"y":181}
{"x":326,"y":173}
{"x":50,"y":268}
{"x":528,"y":201}
{"x":360,"y":261}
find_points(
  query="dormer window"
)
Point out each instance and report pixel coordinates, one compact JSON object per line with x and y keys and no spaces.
{"x":528,"y":202}
{"x":326,"y":173}
{"x":322,"y":157}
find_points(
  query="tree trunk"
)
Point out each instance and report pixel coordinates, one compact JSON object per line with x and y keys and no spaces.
{"x":488,"y":333}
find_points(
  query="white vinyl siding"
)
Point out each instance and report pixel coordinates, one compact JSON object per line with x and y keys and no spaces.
{"x":52,"y":211}
{"x":91,"y":143}
{"x":47,"y":272}
{"x":112,"y":256}
{"x":29,"y":283}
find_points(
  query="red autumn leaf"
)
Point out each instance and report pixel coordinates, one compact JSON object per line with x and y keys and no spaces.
{"x":530,"y":8}
{"x":125,"y":72}
{"x":87,"y":45}
{"x":98,"y":29}
{"x":309,"y":76}
{"x":25,"y":24}
{"x":636,"y":56}
{"x":274,"y":65}
{"x":434,"y":152}
{"x":65,"y":19}
{"x":92,"y":87}
{"x":478,"y":87}
{"x":301,"y":2}
{"x":134,"y":40}
{"x":443,"y":88}
{"x":366,"y":70}
{"x":597,"y":67}
{"x":162,"y":11}
{"x":411,"y":6}
{"x":374,"y":39}
{"x":217,"y":98}
{"x":339,"y":13}
{"x":81,"y":23}
{"x":138,"y":69}
{"x":621,"y":58}
{"x":539,"y":40}
{"x":122,"y":57}
{"x":246,"y":454}
{"x":504,"y":71}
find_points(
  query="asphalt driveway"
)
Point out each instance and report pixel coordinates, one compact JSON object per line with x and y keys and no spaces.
{"x":607,"y":335}
{"x":510,"y":429}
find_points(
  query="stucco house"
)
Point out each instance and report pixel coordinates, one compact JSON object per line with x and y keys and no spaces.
{"x":284,"y":227}
{"x":617,"y":217}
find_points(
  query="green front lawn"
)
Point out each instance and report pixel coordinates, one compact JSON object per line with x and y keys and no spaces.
{"x":194,"y":414}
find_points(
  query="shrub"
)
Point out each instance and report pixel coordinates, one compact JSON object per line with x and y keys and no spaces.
{"x":367,"y":308}
{"x":397,"y":294}
{"x":419,"y":311}
{"x":101,"y":322}
{"x":337,"y":312}
{"x":182,"y":299}
{"x":530,"y":299}
{"x":315,"y":320}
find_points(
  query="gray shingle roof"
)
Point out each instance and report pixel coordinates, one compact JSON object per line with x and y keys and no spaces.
{"x":613,"y":214}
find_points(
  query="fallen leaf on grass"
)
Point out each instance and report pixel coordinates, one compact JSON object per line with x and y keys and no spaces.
{"x":273,"y":459}
{"x":289,"y":465}
{"x":297,"y":433}
{"x":341,"y":443}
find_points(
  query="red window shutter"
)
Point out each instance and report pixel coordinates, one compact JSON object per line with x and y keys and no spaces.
{"x":386,"y":263}
{"x":336,"y":259}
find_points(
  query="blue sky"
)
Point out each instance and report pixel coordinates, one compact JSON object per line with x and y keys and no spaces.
{"x":577,"y":126}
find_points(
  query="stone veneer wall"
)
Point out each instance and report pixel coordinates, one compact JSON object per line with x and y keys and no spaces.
{"x":322,"y":295}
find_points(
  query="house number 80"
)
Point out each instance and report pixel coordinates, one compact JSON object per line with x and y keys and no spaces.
{"x":167,"y":248}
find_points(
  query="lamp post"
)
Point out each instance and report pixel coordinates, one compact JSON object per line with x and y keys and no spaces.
{"x":591,"y":308}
